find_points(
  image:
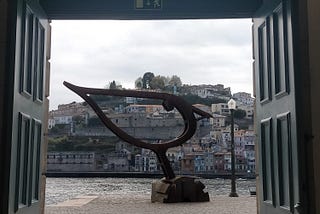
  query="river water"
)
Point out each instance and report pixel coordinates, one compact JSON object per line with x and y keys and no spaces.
{"x":61,"y":189}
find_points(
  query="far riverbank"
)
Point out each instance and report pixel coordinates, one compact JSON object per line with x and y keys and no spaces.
{"x":56,"y":174}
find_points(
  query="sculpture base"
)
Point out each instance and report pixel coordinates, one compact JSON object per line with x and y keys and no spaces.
{"x":233,"y":194}
{"x":178,"y":189}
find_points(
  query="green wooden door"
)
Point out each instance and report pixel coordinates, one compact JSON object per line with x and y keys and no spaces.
{"x":279,"y":185}
{"x":29,"y":108}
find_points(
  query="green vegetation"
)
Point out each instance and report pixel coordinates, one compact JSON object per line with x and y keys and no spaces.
{"x":94,"y":121}
{"x":113,"y":85}
{"x":239,"y":114}
{"x":195,"y":99}
{"x":146,"y":79}
{"x":58,"y":127}
{"x":105,"y":98}
{"x":150,"y":81}
{"x":80,"y":143}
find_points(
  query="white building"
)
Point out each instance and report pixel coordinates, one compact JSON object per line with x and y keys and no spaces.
{"x":143,"y":108}
{"x":244,"y":98}
{"x":65,"y":113}
{"x":227,"y":161}
{"x":153,"y":164}
{"x":51,"y":123}
{"x":212,"y":91}
{"x":220,"y":108}
{"x":146,"y":162}
{"x":218,"y":121}
{"x":62,"y":119}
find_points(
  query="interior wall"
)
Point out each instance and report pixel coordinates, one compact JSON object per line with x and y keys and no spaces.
{"x":314,"y":54}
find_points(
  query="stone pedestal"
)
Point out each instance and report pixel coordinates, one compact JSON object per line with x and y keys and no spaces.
{"x":179,"y":189}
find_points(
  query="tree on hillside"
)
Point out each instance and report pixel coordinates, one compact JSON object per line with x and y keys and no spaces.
{"x":175,"y":81}
{"x":113,"y":85}
{"x":158,"y":82}
{"x":138,"y":83}
{"x":146,"y":79}
{"x":78,"y":119}
{"x":239,"y":113}
{"x":195,"y":99}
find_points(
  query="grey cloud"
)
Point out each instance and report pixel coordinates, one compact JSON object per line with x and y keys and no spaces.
{"x":199,"y":51}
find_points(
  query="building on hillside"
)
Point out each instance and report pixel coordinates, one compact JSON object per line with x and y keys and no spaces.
{"x":204,"y":162}
{"x":134,"y":108}
{"x":101,"y":161}
{"x":249,"y":155}
{"x":241,"y":164}
{"x":131,"y":100}
{"x":63,"y":119}
{"x":51,"y":122}
{"x":199,"y":163}
{"x":187,"y":163}
{"x":117,"y":162}
{"x":122,"y":146}
{"x":153,"y":164}
{"x":227,"y":161}
{"x":66,"y":113}
{"x":220,"y":108}
{"x":217,"y":121}
{"x":209,"y":161}
{"x":71,"y":161}
{"x":239,"y":141}
{"x":175,"y":156}
{"x":138,"y":163}
{"x":249,"y":109}
{"x":71,"y":109}
{"x":235,"y":128}
{"x":219,"y":161}
{"x":121,"y":120}
{"x":244,"y":98}
{"x":146,"y":162}
{"x":212,"y":91}
{"x":249,"y":151}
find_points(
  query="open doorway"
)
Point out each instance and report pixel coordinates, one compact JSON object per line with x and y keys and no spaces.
{"x":278,"y":66}
{"x":212,"y":59}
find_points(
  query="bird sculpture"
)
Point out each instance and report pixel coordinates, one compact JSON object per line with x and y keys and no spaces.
{"x":171,"y":188}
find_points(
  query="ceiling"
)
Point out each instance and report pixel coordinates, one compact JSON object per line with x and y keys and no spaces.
{"x":149,"y":9}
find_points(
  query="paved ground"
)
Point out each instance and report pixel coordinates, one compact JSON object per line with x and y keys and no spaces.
{"x":141,"y":204}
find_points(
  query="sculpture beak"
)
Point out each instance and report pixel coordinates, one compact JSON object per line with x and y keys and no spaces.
{"x":202,"y":113}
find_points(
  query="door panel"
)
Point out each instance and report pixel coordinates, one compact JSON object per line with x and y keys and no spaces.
{"x":28,"y":108}
{"x":279,"y":183}
{"x":284,"y":146}
{"x":267,"y":161}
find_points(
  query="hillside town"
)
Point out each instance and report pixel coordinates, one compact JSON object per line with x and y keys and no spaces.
{"x":78,"y":141}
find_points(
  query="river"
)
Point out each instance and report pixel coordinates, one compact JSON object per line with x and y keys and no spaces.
{"x":61,"y":189}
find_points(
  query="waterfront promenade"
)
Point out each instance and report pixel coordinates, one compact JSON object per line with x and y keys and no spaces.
{"x":133,"y":196}
{"x":141,"y":204}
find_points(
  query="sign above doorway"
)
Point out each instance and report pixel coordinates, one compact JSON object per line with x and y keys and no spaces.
{"x":148,"y":4}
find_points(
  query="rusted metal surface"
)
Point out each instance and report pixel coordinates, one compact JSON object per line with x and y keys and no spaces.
{"x":179,"y":189}
{"x":170,"y":102}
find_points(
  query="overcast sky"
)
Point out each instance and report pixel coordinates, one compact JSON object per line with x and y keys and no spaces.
{"x":94,"y":53}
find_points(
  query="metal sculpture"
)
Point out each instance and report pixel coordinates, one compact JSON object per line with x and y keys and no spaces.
{"x":171,"y":188}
